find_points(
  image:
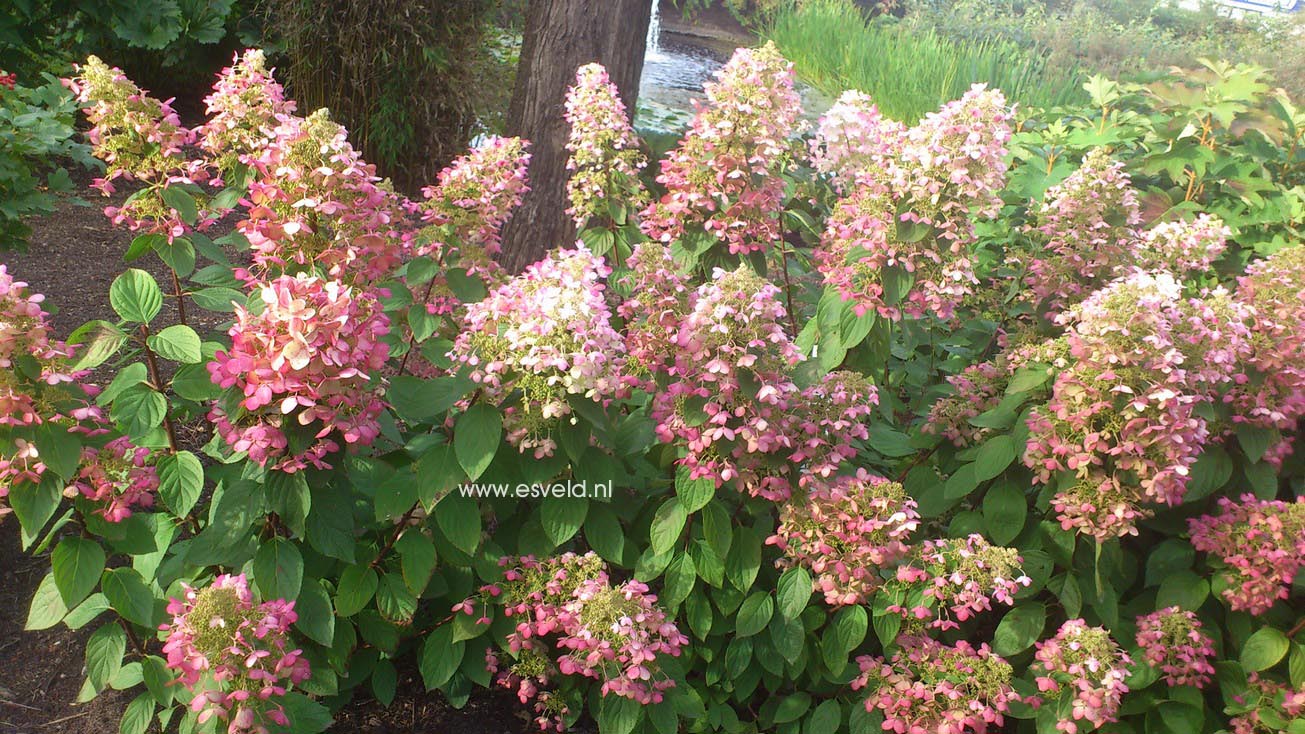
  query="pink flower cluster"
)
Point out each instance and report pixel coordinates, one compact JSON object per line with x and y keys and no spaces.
{"x":730,"y":388}
{"x":314,"y":203}
{"x":1086,"y":226}
{"x":724,"y":176}
{"x":117,"y":478}
{"x":605,"y":158}
{"x":477,"y":193}
{"x":1183,"y":247}
{"x":854,"y":141}
{"x":546,"y":333}
{"x":308,"y":357}
{"x":1283,"y":702}
{"x":1123,"y":416}
{"x":613,"y":634}
{"x":910,"y":210}
{"x":954,"y":160}
{"x":826,"y":418}
{"x":977,"y":389}
{"x":136,"y":135}
{"x":957,"y":578}
{"x":139,"y":138}
{"x":244,"y":110}
{"x":719,"y":364}
{"x":25,"y":334}
{"x":219,"y":634}
{"x":35,"y":377}
{"x":1173,"y":643}
{"x":929,"y":687}
{"x":1273,"y":395}
{"x":1088,"y":664}
{"x":660,"y":297}
{"x":846,"y":531}
{"x":1261,"y":544}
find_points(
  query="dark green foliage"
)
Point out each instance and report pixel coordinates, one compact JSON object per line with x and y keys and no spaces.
{"x":410,"y":79}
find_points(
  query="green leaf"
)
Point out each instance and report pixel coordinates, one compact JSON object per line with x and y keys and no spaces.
{"x":887,"y":626}
{"x":890,"y":443}
{"x":618,"y":715}
{"x":681,"y":576}
{"x":385,"y":681}
{"x":306,"y":715}
{"x":791,"y":707}
{"x":279,"y":569}
{"x":793,"y":592}
{"x":178,"y":343}
{"x":394,"y":601}
{"x":754,"y":614}
{"x":993,"y":457}
{"x":182,"y":202}
{"x":97,"y":341}
{"x":1004,"y":512}
{"x":825,"y":719}
{"x":357,"y":587}
{"x":849,"y":628}
{"x":218,"y":299}
{"x":1182,"y":589}
{"x":179,"y":255}
{"x":603,"y":533}
{"x":104,"y":651}
{"x":227,"y":539}
{"x":140,"y":409}
{"x":1027,"y":379}
{"x":1019,"y":629}
{"x":1264,"y":649}
{"x":158,"y":679}
{"x":316,"y":617}
{"x":136,"y":717}
{"x":694,"y":494}
{"x":129,"y":596}
{"x":667,"y":525}
{"x":289,"y":497}
{"x":744,"y":559}
{"x":562,"y":517}
{"x":1168,"y":558}
{"x":416,"y":559}
{"x":86,"y":612}
{"x":1256,"y":441}
{"x":135,"y":296}
{"x":459,"y":519}
{"x":47,"y":607}
{"x":698,"y":612}
{"x":181,"y":481}
{"x":1296,"y":665}
{"x":440,"y":657}
{"x":78,"y":564}
{"x":35,"y":505}
{"x":418,"y":400}
{"x":60,"y":451}
{"x":476,"y":438}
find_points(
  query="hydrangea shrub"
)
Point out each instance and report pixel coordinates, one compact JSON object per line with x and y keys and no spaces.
{"x":981,"y":424}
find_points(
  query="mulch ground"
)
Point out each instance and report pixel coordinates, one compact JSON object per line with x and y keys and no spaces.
{"x":74,"y":256}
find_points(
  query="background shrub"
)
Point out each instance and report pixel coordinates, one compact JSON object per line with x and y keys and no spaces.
{"x":412,"y":80}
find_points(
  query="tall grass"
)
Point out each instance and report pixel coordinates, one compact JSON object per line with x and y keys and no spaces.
{"x":836,"y":48}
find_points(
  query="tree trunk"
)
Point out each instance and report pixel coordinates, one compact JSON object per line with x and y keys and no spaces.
{"x":560,"y":36}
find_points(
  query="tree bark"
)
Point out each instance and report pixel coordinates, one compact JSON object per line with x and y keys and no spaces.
{"x":561,"y":35}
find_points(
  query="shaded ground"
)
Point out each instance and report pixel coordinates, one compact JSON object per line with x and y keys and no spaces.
{"x":75,"y":254}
